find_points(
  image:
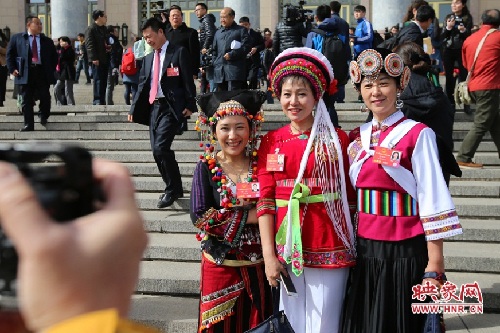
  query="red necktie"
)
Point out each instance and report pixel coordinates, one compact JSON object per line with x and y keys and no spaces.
{"x":34,"y":51}
{"x":156,"y":74}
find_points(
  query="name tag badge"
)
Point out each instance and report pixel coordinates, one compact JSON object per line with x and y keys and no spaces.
{"x":275,"y":162}
{"x":387,"y":156}
{"x":173,"y":71}
{"x":248,"y":190}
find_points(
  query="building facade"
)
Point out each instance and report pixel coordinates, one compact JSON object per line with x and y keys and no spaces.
{"x":63,"y":17}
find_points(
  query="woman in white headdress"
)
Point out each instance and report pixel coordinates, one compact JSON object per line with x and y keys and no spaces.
{"x":303,"y":210}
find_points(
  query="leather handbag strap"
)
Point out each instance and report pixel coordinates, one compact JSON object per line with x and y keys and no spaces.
{"x":469,"y":75}
{"x":276,"y":299}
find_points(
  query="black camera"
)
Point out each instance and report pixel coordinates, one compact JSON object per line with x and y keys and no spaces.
{"x":207,"y":59}
{"x":296,"y":14}
{"x":62,"y":179}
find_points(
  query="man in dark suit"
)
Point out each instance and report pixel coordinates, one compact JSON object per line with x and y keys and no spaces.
{"x":32,"y":59}
{"x":230,"y":48}
{"x":166,"y":94}
{"x":416,"y":30}
{"x":253,"y":57}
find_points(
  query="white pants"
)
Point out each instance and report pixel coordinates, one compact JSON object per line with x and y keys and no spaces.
{"x":318,"y":307}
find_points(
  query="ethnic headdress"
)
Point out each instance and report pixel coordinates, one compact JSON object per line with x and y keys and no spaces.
{"x":371,"y":62}
{"x":218,"y":105}
{"x":306,"y":62}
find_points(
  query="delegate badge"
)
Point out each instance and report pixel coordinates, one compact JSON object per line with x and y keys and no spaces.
{"x":387,"y":156}
{"x":275,"y":162}
{"x":248,"y":190}
{"x":173,"y":71}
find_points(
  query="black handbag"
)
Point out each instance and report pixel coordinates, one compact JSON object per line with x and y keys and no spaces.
{"x":278,"y":322}
{"x":434,"y":322}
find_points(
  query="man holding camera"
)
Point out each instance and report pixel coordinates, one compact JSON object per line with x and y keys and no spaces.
{"x":206,"y":35}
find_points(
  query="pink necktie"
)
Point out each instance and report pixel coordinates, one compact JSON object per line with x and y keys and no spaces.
{"x":156,"y":74}
{"x":34,"y":51}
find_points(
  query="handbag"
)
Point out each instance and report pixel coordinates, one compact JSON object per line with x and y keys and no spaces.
{"x":278,"y":322}
{"x":434,"y":322}
{"x":462,"y":94}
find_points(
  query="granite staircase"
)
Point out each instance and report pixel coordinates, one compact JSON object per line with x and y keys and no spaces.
{"x":167,"y":292}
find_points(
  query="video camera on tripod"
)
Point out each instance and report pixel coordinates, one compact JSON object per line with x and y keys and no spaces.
{"x":296,"y":14}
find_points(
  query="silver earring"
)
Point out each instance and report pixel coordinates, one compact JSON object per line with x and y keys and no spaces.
{"x":399,"y":102}
{"x":363,"y":108}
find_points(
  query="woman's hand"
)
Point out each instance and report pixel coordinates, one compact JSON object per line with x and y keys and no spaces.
{"x":274,"y":268}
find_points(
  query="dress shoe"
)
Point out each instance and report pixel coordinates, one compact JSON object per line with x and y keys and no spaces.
{"x":27,"y":128}
{"x":168,"y":200}
{"x":43,"y":121}
{"x":471,"y":165}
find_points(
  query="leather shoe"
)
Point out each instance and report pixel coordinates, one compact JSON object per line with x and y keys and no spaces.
{"x":167,"y":200}
{"x":27,"y":128}
{"x":43,"y":121}
{"x":471,"y":165}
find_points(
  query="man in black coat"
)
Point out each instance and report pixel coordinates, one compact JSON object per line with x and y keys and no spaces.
{"x":32,"y":59}
{"x":165,"y":96}
{"x":178,"y":33}
{"x":230,"y":49}
{"x":253,"y":57}
{"x":416,"y":30}
{"x":98,"y":48}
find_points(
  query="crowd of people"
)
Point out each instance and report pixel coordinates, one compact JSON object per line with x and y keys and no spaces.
{"x":353,"y":220}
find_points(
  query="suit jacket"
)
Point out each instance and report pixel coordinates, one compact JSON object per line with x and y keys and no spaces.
{"x":19,"y":47}
{"x":187,"y":37}
{"x":257,"y":41}
{"x":411,"y":33}
{"x":179,"y":90}
{"x":234,"y":68}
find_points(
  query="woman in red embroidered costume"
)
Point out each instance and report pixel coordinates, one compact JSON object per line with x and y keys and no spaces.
{"x":234,"y":294}
{"x":404,"y":207}
{"x":303,"y":209}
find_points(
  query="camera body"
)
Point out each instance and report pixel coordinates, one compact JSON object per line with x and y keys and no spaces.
{"x":296,"y":14}
{"x":207,"y":59}
{"x":65,"y":189}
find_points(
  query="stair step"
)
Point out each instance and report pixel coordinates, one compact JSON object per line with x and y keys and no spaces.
{"x":175,"y":247}
{"x":169,"y":277}
{"x":472,"y":257}
{"x":168,"y":222}
{"x":476,"y":230}
{"x":488,"y":283}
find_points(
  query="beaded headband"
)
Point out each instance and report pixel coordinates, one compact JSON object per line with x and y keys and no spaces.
{"x":306,"y":62}
{"x":370,"y":63}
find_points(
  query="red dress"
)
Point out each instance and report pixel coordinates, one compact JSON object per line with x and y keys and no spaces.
{"x":321,"y":246}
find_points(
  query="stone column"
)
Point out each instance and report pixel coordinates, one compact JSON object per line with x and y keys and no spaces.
{"x":387,"y":13}
{"x":68,"y":17}
{"x":251,"y":9}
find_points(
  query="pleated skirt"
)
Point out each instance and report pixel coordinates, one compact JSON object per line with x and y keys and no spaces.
{"x":379,"y":292}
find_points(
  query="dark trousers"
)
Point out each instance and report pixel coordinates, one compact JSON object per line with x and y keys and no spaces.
{"x":82,"y":64}
{"x":3,"y":82}
{"x":130,"y":88}
{"x":230,"y":85}
{"x":486,"y":119}
{"x":162,"y":129}
{"x":37,"y":88}
{"x":100,"y":76}
{"x":450,"y":58}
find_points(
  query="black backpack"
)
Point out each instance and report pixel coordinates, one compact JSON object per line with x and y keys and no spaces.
{"x":334,"y":50}
{"x":377,"y":39}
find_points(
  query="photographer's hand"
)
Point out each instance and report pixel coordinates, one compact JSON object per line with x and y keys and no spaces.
{"x":89,"y":264}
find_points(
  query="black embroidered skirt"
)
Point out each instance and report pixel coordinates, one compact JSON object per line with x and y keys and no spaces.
{"x":379,"y":294}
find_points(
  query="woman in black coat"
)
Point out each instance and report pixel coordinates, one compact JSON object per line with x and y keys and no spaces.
{"x":425,"y":101}
{"x":66,"y":73}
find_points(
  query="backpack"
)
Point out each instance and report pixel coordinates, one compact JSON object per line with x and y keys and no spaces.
{"x":334,"y":50}
{"x":377,"y":39}
{"x":128,"y":63}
